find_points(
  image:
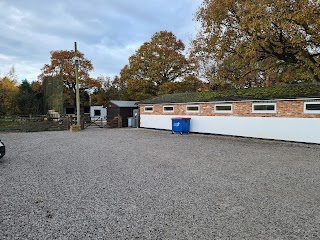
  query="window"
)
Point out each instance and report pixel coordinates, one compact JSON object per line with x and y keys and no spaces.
{"x":97,"y":112}
{"x":168,"y":108}
{"x":148,"y":108}
{"x":70,"y":110}
{"x":223,"y":108}
{"x":86,"y":109}
{"x":192,"y":108}
{"x":264,"y":108}
{"x":312,"y":107}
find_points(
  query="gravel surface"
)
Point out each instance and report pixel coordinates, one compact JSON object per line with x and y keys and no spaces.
{"x":149,"y":184}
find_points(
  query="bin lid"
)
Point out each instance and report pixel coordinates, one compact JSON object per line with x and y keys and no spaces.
{"x":180,"y":118}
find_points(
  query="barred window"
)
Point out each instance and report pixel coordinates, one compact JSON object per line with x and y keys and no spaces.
{"x":263,"y":107}
{"x":223,"y":108}
{"x":312,"y":107}
{"x":168,"y":108}
{"x":148,"y":108}
{"x":192,"y":108}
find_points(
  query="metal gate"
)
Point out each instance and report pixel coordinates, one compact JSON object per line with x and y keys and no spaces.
{"x":99,"y":122}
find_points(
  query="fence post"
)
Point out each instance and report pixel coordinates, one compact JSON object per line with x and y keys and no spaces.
{"x":82,"y":122}
{"x":119,"y":121}
{"x":68,"y":122}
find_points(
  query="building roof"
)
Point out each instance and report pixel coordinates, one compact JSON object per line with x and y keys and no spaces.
{"x":125,"y":103}
{"x":292,"y":91}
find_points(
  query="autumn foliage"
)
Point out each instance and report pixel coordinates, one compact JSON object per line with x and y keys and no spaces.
{"x":156,"y":67}
{"x":63,"y":60}
{"x":8,"y":92}
{"x":19,"y":99}
{"x":246,"y":43}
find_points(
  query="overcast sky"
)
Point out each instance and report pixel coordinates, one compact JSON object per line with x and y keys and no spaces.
{"x":108,"y":32}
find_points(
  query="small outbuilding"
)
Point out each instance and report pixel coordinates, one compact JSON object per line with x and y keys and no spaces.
{"x":118,"y":112}
{"x":98,"y":113}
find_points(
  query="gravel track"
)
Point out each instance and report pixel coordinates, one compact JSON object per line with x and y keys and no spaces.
{"x":149,"y":184}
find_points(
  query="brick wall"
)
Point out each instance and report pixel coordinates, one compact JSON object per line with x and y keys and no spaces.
{"x":284,"y":108}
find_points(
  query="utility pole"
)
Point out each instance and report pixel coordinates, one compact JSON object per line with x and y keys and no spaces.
{"x":76,"y":62}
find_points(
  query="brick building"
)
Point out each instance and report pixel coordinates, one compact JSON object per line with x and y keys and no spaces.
{"x":289,"y":113}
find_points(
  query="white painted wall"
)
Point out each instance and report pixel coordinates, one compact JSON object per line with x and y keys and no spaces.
{"x":289,"y":129}
{"x":103,"y":112}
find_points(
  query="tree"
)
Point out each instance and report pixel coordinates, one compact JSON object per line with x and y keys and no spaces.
{"x":27,"y":99}
{"x":140,"y":89}
{"x":63,"y":60}
{"x":155,"y":63}
{"x":119,"y":87}
{"x":245,"y":43}
{"x":169,"y":88}
{"x":8,"y":93}
{"x":37,"y":89}
{"x":189,"y":84}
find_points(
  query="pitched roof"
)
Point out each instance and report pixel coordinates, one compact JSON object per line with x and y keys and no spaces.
{"x":261,"y":93}
{"x":125,"y":103}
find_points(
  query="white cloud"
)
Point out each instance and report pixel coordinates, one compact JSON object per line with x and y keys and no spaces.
{"x":107,"y":32}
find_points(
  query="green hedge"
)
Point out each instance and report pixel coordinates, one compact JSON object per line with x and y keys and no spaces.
{"x":263,"y":93}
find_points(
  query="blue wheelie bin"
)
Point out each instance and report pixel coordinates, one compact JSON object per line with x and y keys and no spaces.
{"x":180,"y":125}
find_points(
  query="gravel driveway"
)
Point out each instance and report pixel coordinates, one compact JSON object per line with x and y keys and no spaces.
{"x":148,"y":184}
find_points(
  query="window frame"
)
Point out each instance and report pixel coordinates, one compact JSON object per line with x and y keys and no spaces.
{"x":97,"y":110}
{"x":223,"y":111}
{"x":264,"y":104}
{"x":145,"y":108}
{"x":311,"y":111}
{"x":192,"y":111}
{"x":168,"y":111}
{"x":68,"y":112}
